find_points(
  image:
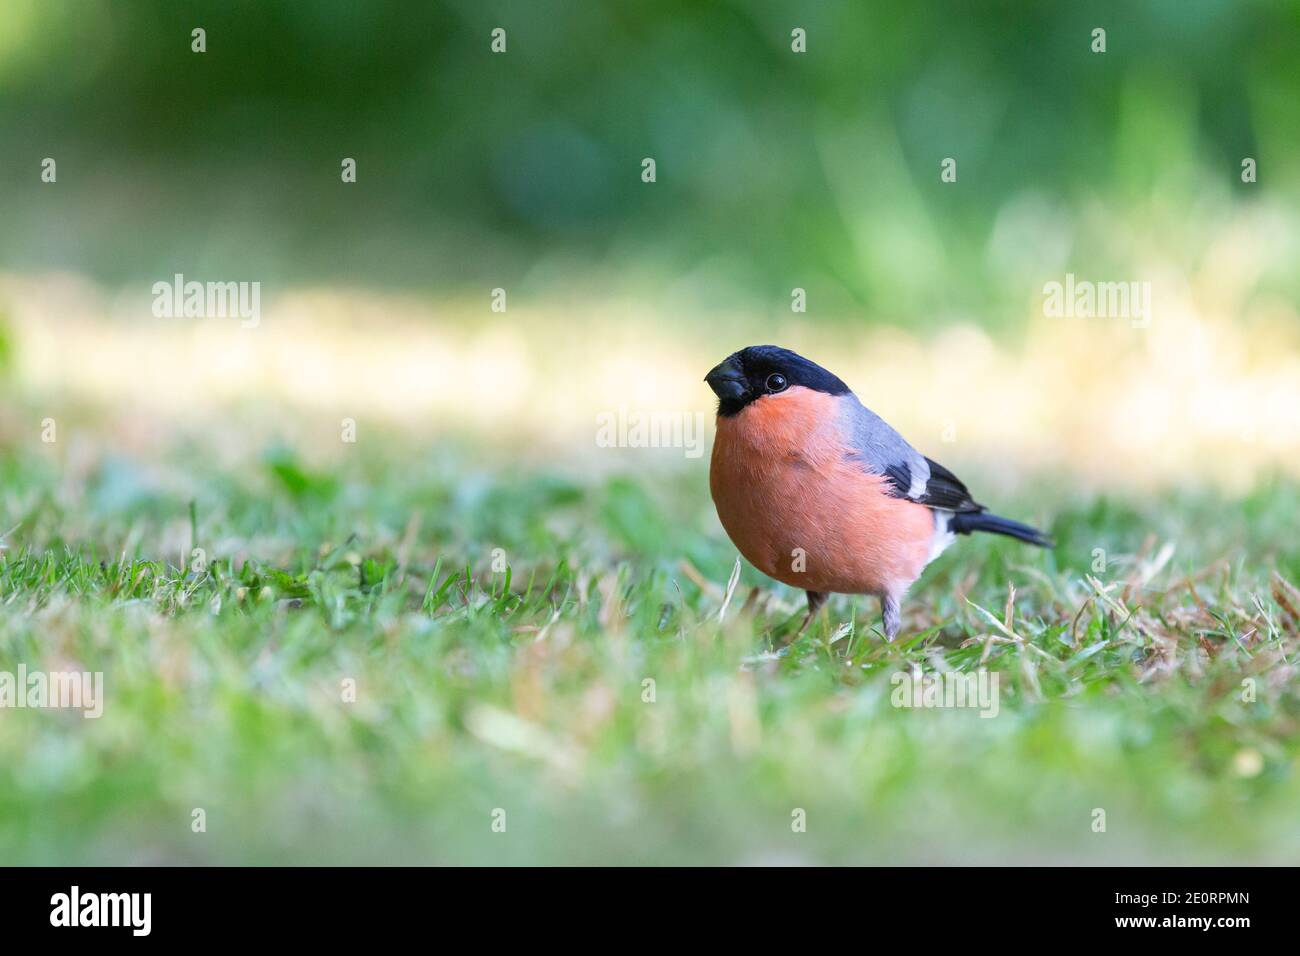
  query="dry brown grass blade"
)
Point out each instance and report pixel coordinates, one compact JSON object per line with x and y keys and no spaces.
{"x":408,"y":542}
{"x":699,"y":580}
{"x":613,"y":611}
{"x":1074,"y":623}
{"x":1287,"y":598}
{"x":964,"y":586}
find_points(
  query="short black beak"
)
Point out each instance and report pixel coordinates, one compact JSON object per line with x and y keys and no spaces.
{"x":727,"y":381}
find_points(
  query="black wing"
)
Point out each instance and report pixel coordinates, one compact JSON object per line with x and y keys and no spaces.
{"x":945,"y":490}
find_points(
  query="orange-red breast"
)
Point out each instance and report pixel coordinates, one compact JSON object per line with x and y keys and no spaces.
{"x":818,"y":492}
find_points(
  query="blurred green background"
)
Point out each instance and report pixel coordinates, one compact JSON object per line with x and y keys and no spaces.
{"x":775,"y":169}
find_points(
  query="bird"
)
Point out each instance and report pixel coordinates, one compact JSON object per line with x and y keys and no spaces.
{"x":819,"y":492}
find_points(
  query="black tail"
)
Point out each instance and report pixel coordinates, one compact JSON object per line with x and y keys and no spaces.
{"x":964,"y":522}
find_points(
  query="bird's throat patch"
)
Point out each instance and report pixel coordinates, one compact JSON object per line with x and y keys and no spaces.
{"x":798,"y":418}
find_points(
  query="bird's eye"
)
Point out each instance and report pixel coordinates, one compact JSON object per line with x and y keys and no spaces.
{"x":776,"y":382}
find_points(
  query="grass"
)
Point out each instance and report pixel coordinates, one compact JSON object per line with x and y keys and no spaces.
{"x":553,"y":646}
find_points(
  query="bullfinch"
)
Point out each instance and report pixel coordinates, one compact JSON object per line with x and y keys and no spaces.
{"x":818,"y":492}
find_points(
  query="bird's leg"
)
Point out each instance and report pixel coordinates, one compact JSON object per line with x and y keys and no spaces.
{"x":815,"y":601}
{"x":890,"y":613}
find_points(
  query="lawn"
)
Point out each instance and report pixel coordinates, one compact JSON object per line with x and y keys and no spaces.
{"x":440,"y":654}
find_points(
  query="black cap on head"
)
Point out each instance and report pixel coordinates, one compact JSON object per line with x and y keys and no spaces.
{"x":762,"y":370}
